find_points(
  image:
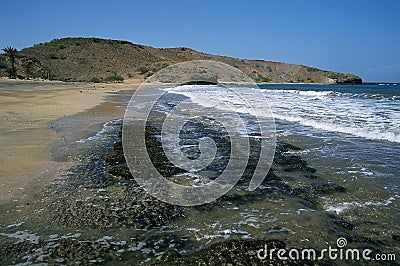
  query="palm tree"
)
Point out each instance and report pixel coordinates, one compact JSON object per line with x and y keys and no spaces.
{"x":10,"y":53}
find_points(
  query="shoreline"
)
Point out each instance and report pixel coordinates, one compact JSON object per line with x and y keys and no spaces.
{"x":27,"y":137}
{"x":139,"y":81}
{"x":81,"y":205}
{"x":97,"y":202}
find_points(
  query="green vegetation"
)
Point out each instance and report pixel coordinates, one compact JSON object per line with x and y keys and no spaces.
{"x":3,"y":65}
{"x":312,"y":69}
{"x":95,"y":80}
{"x":53,"y":56}
{"x":112,"y":78}
{"x":11,"y":53}
{"x":142,"y":70}
{"x":28,"y":66}
{"x":61,"y":46}
{"x":263,"y":79}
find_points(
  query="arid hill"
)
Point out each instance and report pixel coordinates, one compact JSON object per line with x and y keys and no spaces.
{"x":96,"y":60}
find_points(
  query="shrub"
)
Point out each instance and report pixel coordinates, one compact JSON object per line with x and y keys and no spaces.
{"x":142,"y":70}
{"x":53,"y":56}
{"x":95,"y":80}
{"x":263,"y":79}
{"x":114,"y":78}
{"x":3,"y":65}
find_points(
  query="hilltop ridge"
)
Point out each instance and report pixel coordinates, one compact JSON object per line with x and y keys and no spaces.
{"x":96,"y":60}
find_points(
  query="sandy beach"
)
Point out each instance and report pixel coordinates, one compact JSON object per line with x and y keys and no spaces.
{"x":26,"y":167}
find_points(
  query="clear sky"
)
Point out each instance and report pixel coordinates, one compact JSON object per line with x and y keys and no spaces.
{"x":352,"y":36}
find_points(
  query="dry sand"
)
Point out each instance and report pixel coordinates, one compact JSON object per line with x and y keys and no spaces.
{"x":25,"y":137}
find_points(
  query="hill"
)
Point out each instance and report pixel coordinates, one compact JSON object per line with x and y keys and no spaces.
{"x":93,"y":59}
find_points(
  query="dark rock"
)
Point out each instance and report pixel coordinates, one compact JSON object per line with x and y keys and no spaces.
{"x":237,"y":252}
{"x":349,"y":80}
{"x":118,"y":147}
{"x":128,"y":208}
{"x":299,"y":167}
{"x":295,"y":160}
{"x":306,"y":195}
{"x":344,"y":224}
{"x":341,"y":78}
{"x":8,"y":251}
{"x":272,"y":176}
{"x":336,"y":219}
{"x":85,"y":252}
{"x":113,"y":159}
{"x":292,"y":163}
{"x":121,"y":171}
{"x":201,"y":82}
{"x":311,"y":176}
{"x":285,"y":147}
{"x":170,"y":256}
{"x":327,"y":187}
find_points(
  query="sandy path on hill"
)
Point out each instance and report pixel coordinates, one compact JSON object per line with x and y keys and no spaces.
{"x":25,"y":138}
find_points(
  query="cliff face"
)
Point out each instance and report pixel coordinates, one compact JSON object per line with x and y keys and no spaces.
{"x":92,"y":59}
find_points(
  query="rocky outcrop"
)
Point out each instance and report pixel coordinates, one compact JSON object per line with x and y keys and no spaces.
{"x":93,"y":59}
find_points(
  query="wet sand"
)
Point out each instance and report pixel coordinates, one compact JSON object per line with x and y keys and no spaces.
{"x":26,"y":110}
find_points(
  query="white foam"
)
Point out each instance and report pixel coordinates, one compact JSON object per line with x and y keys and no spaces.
{"x":340,"y":207}
{"x":324,"y":110}
{"x":23,"y":236}
{"x":107,"y":126}
{"x":225,"y":234}
{"x":222,"y":98}
{"x":15,"y":225}
{"x":310,"y":93}
{"x":366,"y":132}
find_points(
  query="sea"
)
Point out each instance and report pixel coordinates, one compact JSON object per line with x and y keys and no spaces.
{"x":350,"y":134}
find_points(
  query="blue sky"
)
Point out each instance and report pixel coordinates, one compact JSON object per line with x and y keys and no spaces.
{"x":352,"y":36}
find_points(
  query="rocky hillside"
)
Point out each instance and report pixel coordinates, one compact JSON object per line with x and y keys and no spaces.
{"x":93,"y":59}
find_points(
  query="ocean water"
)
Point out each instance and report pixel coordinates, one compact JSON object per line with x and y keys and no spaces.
{"x":349,"y":133}
{"x":356,"y":124}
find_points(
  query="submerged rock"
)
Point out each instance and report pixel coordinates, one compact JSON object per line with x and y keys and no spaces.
{"x":233,"y":252}
{"x":113,"y":159}
{"x":327,"y":187}
{"x":120,"y":171}
{"x":285,"y":147}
